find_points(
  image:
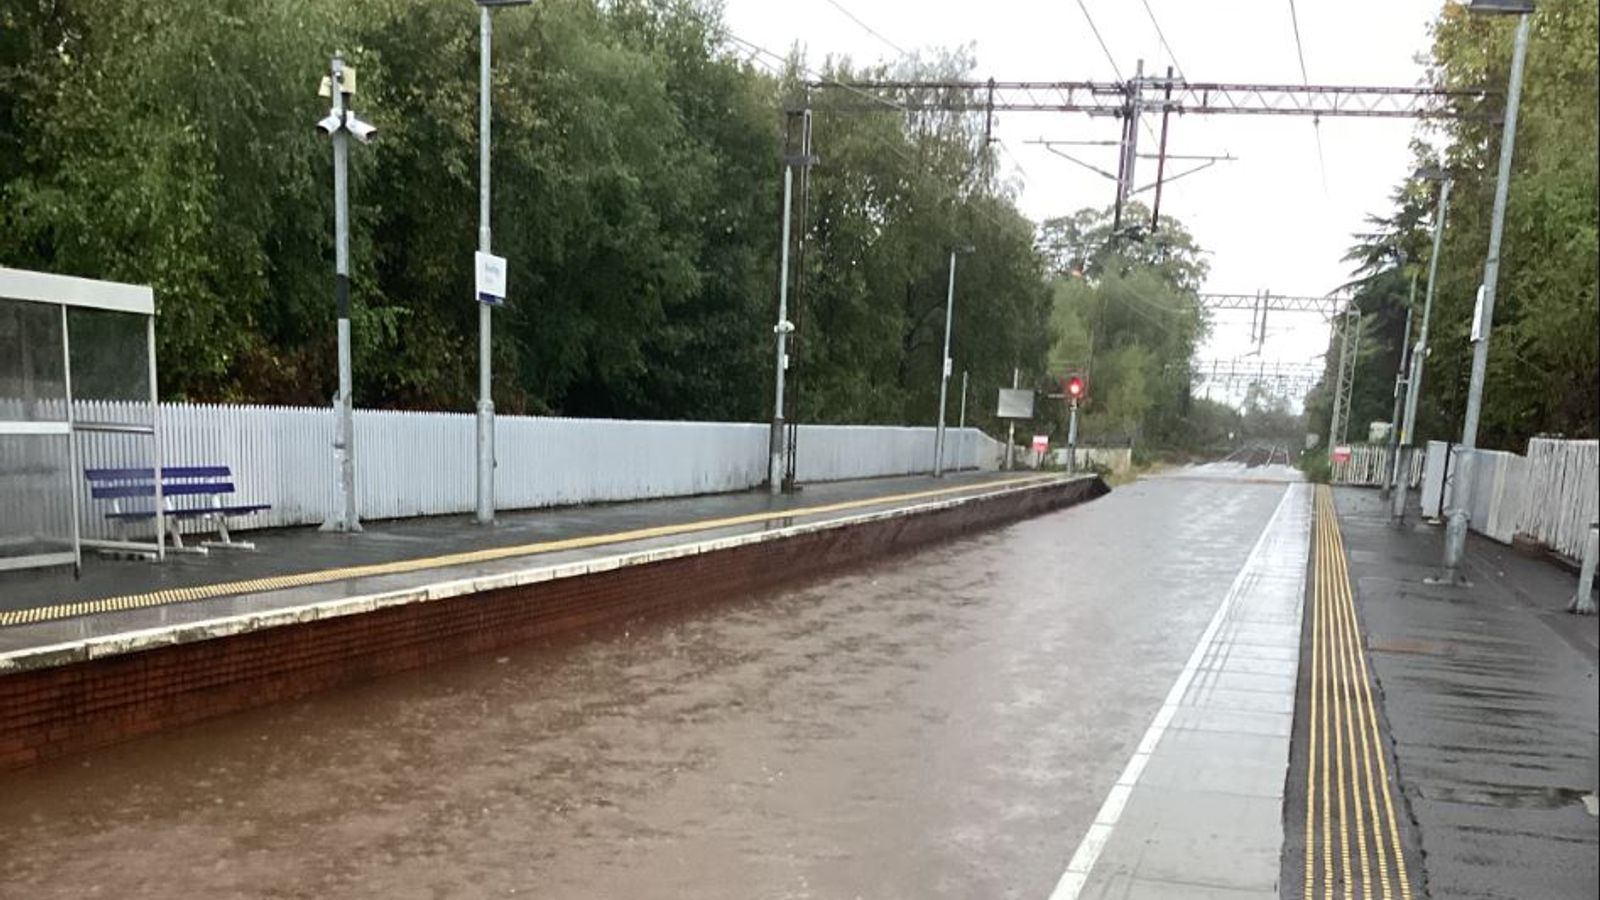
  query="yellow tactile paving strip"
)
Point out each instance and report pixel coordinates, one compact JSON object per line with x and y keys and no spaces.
{"x":488,"y":554}
{"x":1348,"y":790}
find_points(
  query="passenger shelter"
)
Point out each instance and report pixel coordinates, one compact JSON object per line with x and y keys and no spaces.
{"x":77,"y":388}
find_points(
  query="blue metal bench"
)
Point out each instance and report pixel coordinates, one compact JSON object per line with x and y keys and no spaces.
{"x":126,"y":488}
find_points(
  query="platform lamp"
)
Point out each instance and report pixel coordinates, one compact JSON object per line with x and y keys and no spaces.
{"x":1455,"y":540}
{"x":484,"y":261}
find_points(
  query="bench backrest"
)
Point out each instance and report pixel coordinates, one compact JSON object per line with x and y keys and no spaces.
{"x":176,"y":481}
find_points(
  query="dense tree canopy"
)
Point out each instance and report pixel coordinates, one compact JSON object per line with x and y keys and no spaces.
{"x":636,"y":194}
{"x":1126,"y":314}
{"x":1544,"y":357}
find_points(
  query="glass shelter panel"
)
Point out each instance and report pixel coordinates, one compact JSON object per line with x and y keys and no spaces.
{"x":33,"y":370}
{"x":35,"y":492}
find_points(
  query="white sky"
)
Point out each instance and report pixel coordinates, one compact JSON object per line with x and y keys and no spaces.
{"x":1269,"y":220}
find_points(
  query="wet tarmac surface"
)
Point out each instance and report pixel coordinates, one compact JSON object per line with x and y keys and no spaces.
{"x":1490,"y":693}
{"x":939,"y":724}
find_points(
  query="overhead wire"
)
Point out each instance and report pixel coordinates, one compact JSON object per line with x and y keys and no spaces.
{"x":1305,"y":78}
{"x":1163,"y":38}
{"x":1095,"y":29}
{"x":865,"y":27}
{"x":1103,"y":48}
{"x":897,"y":151}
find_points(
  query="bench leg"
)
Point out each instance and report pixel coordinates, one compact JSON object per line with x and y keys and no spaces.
{"x":177,"y":544}
{"x":224,"y":540}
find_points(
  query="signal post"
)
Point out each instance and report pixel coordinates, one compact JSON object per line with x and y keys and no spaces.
{"x":1073,"y":387}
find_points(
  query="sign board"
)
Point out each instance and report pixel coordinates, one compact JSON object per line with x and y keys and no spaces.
{"x":1479,"y":326}
{"x":1015,"y":404}
{"x":1341,"y":453}
{"x":1041,"y":443}
{"x":491,"y":277}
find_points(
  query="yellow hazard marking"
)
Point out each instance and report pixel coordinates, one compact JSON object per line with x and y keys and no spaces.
{"x":488,"y":554}
{"x":1356,"y":795}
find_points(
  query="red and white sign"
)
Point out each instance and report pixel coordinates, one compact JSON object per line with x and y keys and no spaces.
{"x":1341,"y":453}
{"x":1041,"y":443}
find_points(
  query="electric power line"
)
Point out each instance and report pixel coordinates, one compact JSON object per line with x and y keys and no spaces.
{"x":1103,"y":48}
{"x":1316,"y":125}
{"x":865,"y":27}
{"x":1299,"y":48}
{"x":1163,"y":37}
{"x":809,"y":73}
{"x":1112,"y":60}
{"x":1013,"y":157}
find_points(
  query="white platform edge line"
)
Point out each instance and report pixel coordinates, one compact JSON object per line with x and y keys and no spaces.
{"x":1076,"y":876}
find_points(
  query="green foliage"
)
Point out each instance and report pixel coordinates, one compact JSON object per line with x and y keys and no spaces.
{"x":1544,"y":357}
{"x":636,"y":169}
{"x":1125,"y":312}
{"x":1316,"y":465}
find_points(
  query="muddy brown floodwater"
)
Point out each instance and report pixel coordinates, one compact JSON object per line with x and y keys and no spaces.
{"x":939,"y":724}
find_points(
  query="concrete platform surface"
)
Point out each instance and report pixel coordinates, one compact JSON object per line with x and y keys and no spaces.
{"x":444,"y":556}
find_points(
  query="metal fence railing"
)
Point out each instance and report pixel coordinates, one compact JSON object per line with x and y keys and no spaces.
{"x":1370,"y":465}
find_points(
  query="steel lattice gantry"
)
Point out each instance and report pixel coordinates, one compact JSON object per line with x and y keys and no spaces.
{"x":1328,"y":305}
{"x":1118,"y":98}
{"x":1238,"y":373}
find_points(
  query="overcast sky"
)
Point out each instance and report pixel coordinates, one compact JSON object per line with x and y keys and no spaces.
{"x":1275,"y":219}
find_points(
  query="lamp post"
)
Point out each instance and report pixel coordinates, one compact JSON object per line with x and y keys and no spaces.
{"x":1419,"y":352}
{"x":341,"y":124}
{"x":945,"y":363}
{"x":486,"y":303}
{"x":1400,"y":376}
{"x":1455,"y":541}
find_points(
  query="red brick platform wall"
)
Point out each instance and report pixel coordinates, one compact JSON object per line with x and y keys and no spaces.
{"x":49,"y":713}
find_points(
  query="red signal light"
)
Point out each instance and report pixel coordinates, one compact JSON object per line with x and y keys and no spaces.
{"x":1075,"y":387}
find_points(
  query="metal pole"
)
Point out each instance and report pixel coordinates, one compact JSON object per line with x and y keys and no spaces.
{"x":72,"y":448}
{"x":155,"y":438}
{"x":485,"y":512}
{"x":1161,"y":157}
{"x":1011,"y":424}
{"x":1338,"y":391}
{"x":1072,"y":438}
{"x":1583,"y":601}
{"x":1419,"y":354}
{"x":961,"y":423}
{"x":1399,"y":398}
{"x":781,"y":333}
{"x":1455,"y":542}
{"x":343,"y":518}
{"x":944,"y":370}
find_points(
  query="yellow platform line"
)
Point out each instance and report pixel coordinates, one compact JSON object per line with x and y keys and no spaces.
{"x":1309,"y":866}
{"x":38,"y":614}
{"x":1341,"y":686}
{"x":1386,"y":792}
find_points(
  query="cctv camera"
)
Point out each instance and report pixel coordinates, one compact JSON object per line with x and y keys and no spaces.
{"x":784,"y":327}
{"x":329,"y":125}
{"x":363,"y":131}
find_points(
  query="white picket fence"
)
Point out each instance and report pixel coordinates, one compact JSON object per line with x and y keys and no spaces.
{"x":1550,"y":495}
{"x":1370,"y":465}
{"x":422,"y":463}
{"x":1560,"y":493}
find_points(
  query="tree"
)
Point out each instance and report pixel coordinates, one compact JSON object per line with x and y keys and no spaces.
{"x":1544,"y":359}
